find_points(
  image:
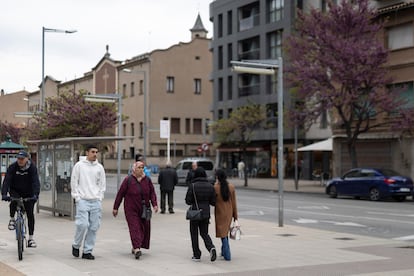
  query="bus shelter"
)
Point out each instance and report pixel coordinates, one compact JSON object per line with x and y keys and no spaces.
{"x":55,"y":160}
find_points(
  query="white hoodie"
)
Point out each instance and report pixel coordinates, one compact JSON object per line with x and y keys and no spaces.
{"x":88,"y":180}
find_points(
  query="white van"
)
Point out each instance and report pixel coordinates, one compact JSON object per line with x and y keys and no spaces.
{"x":184,"y":166}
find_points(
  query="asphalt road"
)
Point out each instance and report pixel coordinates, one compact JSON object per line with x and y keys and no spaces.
{"x":383,"y":219}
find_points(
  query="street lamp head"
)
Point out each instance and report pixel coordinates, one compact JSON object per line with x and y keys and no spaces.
{"x":70,"y":31}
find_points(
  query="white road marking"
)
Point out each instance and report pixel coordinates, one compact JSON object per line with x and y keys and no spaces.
{"x":301,"y":220}
{"x":314,"y":207}
{"x":391,"y":214}
{"x":405,"y":238}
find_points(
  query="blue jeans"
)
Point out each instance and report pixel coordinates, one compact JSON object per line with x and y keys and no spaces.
{"x":225,"y":248}
{"x":87,"y":220}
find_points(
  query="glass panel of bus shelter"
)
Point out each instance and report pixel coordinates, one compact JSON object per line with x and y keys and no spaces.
{"x":45,"y":170}
{"x":63,"y":170}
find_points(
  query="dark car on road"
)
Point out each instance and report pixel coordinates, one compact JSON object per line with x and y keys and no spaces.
{"x":371,"y":183}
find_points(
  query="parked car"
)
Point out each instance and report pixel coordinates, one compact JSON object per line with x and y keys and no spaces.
{"x":374,"y":184}
{"x":184,"y":166}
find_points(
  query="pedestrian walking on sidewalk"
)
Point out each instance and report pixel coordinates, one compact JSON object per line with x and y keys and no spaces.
{"x":240,"y":169}
{"x":137,"y":189}
{"x":167,"y":179}
{"x":88,"y":184}
{"x":202,"y":191}
{"x":225,"y":211}
{"x":22,"y":180}
{"x":190,"y":174}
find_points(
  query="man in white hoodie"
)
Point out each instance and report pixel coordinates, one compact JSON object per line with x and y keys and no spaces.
{"x":88,"y":183}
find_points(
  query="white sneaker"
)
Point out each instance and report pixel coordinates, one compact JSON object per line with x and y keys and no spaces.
{"x":194,"y":259}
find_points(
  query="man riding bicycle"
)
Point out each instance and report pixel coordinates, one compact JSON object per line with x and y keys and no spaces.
{"x":22,"y":180}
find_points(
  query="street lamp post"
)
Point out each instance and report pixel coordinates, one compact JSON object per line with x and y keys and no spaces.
{"x":267,"y":67}
{"x":111,"y":98}
{"x":144,"y":91}
{"x":44,"y":30}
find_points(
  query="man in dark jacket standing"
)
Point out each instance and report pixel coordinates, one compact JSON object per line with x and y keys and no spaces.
{"x":204,"y":197}
{"x":167,"y":179}
{"x":22,"y":180}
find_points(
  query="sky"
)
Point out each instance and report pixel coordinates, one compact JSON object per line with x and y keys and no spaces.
{"x":128,"y":27}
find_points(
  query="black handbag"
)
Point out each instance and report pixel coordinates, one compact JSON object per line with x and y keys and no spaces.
{"x":146,"y":211}
{"x":191,"y":214}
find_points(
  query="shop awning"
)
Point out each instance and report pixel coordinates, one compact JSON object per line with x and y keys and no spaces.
{"x":325,"y":145}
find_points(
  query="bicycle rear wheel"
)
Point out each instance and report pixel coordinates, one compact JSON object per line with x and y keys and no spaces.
{"x":19,"y":237}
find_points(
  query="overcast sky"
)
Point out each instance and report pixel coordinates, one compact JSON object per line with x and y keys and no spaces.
{"x":129,"y":27}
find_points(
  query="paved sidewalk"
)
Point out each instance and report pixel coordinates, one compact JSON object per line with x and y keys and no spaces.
{"x":265,"y":248}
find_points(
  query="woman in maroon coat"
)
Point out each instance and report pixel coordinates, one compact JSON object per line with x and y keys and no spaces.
{"x":133,"y":190}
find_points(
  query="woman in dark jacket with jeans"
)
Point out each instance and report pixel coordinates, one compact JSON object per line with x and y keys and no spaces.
{"x":205,"y":195}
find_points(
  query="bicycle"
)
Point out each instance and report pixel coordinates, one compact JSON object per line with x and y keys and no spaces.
{"x":20,"y":223}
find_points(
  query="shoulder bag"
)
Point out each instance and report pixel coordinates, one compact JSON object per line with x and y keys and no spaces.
{"x":235,"y":232}
{"x":146,"y":210}
{"x":191,"y":214}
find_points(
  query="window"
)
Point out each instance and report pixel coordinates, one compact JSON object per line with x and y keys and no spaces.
{"x":141,"y":87}
{"x":229,"y":111}
{"x":132,"y":129}
{"x":275,"y":44}
{"x":405,"y":92}
{"x":124,"y":90}
{"x":197,"y":86}
{"x":400,"y":36}
{"x":229,"y":54}
{"x":187,"y":125}
{"x":170,"y":84}
{"x":207,"y":126}
{"x":124,"y":128}
{"x":229,"y":22}
{"x":141,"y":129}
{"x":175,"y":125}
{"x":132,"y":89}
{"x":275,"y":10}
{"x":230,"y":88}
{"x":197,"y":127}
{"x":220,"y":90}
{"x":220,"y":25}
{"x":220,"y":57}
{"x":220,"y":114}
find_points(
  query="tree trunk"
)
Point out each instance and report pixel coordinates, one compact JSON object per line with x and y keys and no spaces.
{"x":352,"y":153}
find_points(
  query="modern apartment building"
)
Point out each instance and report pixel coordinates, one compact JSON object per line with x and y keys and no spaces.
{"x":256,"y":30}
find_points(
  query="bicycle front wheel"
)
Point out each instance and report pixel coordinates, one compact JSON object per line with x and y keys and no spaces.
{"x":19,"y":237}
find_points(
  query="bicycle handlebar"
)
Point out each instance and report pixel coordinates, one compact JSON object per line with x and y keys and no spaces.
{"x":22,"y":199}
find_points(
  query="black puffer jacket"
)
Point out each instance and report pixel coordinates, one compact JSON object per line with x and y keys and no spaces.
{"x":205,"y":195}
{"x":21,"y":182}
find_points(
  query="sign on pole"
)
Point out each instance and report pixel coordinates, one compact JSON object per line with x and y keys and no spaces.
{"x":165,"y":129}
{"x":165,"y":133}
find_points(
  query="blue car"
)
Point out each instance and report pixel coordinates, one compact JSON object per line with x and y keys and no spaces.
{"x":374,"y":184}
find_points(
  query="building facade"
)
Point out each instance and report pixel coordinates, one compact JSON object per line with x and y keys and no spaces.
{"x":256,"y":30}
{"x":164,"y":84}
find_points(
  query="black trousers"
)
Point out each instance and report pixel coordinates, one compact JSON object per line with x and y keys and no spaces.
{"x":202,"y":226}
{"x":29,"y":207}
{"x":170,"y":196}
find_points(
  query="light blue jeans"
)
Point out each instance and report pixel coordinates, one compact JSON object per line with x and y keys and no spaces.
{"x":87,"y":220}
{"x":225,"y":248}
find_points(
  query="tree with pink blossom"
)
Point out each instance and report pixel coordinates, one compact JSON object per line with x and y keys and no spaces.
{"x":337,"y":64}
{"x":69,"y":115}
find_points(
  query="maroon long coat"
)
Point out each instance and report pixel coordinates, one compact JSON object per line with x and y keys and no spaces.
{"x":139,"y":230}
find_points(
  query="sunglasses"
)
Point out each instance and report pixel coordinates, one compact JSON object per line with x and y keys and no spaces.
{"x":140,"y":167}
